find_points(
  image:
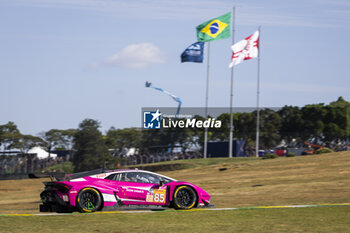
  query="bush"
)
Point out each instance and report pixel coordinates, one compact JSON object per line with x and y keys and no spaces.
{"x":269,"y":156}
{"x":66,"y":167}
{"x":323,"y":151}
{"x":291,"y":154}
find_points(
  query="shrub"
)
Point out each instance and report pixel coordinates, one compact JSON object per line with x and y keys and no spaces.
{"x":66,"y":167}
{"x":323,"y":151}
{"x":291,"y":154}
{"x":269,"y":156}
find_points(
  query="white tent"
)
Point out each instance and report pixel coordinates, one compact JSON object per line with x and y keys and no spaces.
{"x":41,"y":153}
{"x":131,"y":151}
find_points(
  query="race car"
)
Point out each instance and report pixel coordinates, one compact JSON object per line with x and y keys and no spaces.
{"x":112,"y":190}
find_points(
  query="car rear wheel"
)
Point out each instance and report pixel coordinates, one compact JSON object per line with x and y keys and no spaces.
{"x":184,"y":198}
{"x":89,"y":200}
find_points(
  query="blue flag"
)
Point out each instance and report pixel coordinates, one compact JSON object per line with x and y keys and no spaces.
{"x":194,"y":53}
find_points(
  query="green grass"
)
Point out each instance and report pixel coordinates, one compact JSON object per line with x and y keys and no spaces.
{"x":244,"y":182}
{"x":322,"y":219}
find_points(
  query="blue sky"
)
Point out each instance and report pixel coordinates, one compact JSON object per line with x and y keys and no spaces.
{"x":66,"y":60}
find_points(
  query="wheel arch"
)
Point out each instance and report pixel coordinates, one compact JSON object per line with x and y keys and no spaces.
{"x":187,"y":185}
{"x":173,"y":187}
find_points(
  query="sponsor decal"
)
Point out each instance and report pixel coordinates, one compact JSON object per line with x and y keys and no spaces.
{"x":109,"y":197}
{"x":157,"y":196}
{"x":65,"y":198}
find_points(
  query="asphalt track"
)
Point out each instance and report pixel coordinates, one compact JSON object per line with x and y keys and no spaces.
{"x":171,"y":210}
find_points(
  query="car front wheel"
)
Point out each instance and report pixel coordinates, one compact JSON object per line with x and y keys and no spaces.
{"x":184,"y":198}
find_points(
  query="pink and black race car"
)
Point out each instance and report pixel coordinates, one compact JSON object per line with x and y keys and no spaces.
{"x":120,"y":189}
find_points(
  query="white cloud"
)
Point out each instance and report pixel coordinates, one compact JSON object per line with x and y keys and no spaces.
{"x":134,"y":56}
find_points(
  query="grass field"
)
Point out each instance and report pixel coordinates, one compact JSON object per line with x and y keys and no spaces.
{"x":323,"y":219}
{"x":246,"y":182}
{"x":297,"y":180}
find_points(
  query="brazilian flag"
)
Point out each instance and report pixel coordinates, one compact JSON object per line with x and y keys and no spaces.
{"x":215,"y":29}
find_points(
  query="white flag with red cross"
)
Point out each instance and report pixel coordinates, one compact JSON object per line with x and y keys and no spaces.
{"x":245,"y":49}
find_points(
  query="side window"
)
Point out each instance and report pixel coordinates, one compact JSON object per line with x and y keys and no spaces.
{"x":152,"y":178}
{"x":139,"y":177}
{"x":111,"y":177}
{"x":142,"y":177}
{"x":129,"y":177}
{"x":148,"y":178}
{"x":122,"y":177}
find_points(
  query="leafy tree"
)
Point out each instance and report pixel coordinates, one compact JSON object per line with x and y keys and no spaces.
{"x":157,"y":139}
{"x":313,"y":124}
{"x":223,"y":133}
{"x":270,"y":124}
{"x":91,"y":151}
{"x":9,"y":135}
{"x":26,"y":142}
{"x":56,"y":139}
{"x":332,"y":132}
{"x":151,"y":138}
{"x":326,"y":124}
{"x":292,"y":123}
{"x":341,"y":102}
{"x":51,"y":139}
{"x":67,"y":139}
{"x":119,"y":139}
{"x":245,"y":126}
{"x":164,"y":138}
{"x":343,"y":108}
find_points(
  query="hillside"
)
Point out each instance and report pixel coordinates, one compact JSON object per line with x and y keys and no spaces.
{"x":314,"y":179}
{"x":232,"y":182}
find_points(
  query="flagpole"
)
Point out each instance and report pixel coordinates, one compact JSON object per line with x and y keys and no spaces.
{"x":258,"y":100}
{"x":206,"y":106}
{"x":231,"y":95}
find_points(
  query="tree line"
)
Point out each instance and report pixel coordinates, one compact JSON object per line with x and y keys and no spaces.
{"x":91,"y":148}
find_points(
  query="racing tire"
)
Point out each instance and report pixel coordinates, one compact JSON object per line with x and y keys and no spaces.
{"x":185,"y":198}
{"x":89,"y":200}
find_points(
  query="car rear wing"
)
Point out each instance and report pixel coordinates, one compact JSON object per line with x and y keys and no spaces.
{"x":57,"y":175}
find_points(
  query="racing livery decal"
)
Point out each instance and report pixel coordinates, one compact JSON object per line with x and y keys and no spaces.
{"x":109,"y":190}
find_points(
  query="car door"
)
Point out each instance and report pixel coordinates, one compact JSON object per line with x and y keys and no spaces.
{"x":131,"y":190}
{"x":140,"y":188}
{"x":158,"y":193}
